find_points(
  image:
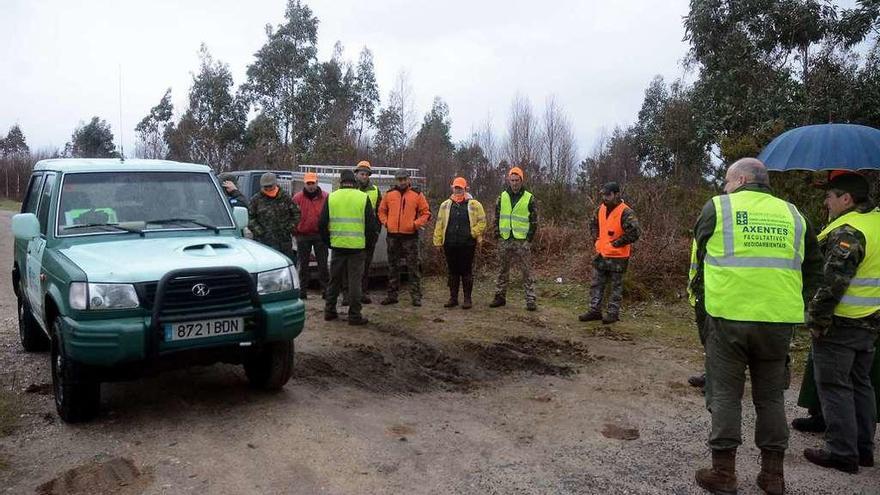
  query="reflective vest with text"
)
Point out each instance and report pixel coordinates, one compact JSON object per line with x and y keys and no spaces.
{"x":752,"y":267}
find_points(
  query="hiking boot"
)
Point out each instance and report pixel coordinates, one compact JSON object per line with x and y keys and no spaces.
{"x":771,"y":478}
{"x":810,"y":424}
{"x":866,"y":459}
{"x":388,"y":300}
{"x":357,"y":320}
{"x":698,"y":381}
{"x":591,"y":315}
{"x":330,"y":316}
{"x":531,"y":306}
{"x":467,"y":287}
{"x":365,"y":299}
{"x":497,"y":302}
{"x":610,"y":318}
{"x":453,"y":282}
{"x":721,"y":477}
{"x":826,"y":459}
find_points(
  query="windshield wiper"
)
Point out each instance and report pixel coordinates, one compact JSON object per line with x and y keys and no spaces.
{"x":112,"y":225}
{"x":164,"y":221}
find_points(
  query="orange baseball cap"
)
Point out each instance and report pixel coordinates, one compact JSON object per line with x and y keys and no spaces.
{"x":518,"y":171}
{"x":459,"y":182}
{"x":310,"y":177}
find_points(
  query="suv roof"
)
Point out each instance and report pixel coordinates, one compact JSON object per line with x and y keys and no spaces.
{"x":117,"y":165}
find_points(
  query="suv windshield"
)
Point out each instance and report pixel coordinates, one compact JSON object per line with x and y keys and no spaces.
{"x":90,"y":202}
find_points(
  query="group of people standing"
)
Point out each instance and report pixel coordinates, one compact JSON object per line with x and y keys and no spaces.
{"x":348,"y":222}
{"x":758,"y":269}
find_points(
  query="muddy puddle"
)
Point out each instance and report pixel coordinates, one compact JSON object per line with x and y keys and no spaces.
{"x":412,"y":366}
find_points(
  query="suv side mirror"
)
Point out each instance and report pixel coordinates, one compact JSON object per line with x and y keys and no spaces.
{"x":25,"y":226}
{"x":240,"y":214}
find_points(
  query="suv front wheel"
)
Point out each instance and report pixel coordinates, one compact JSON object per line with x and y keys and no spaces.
{"x":77,"y":398}
{"x":270,"y":367}
{"x":29,"y":332}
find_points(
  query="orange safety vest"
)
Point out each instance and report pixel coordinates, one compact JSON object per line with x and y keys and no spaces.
{"x":610,"y":229}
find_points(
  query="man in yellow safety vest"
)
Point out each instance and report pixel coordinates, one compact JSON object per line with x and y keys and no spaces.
{"x":347,"y":225}
{"x":755,"y":255}
{"x":844,"y":318}
{"x":516,"y":222}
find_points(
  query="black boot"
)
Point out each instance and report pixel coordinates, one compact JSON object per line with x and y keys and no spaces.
{"x":498,"y":302}
{"x":453,"y":282}
{"x":814,"y":423}
{"x":467,"y":282}
{"x":591,"y":315}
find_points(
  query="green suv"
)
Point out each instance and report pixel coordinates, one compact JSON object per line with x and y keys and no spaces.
{"x":127,"y":268}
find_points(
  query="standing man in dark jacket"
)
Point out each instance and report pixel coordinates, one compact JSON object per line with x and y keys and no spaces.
{"x":844,"y":319}
{"x":347,"y":225}
{"x":273,"y":216}
{"x":615,"y":228}
{"x":311,"y":203}
{"x":516,"y":223}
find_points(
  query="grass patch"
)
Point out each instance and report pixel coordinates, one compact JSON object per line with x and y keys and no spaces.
{"x":9,"y":205}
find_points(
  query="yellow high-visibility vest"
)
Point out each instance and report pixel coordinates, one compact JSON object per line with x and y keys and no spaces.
{"x":347,"y":229}
{"x":514,"y":219}
{"x":862,"y":297}
{"x":752,"y":268}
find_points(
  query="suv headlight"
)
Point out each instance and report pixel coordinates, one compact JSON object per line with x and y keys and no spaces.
{"x":102,"y":296}
{"x":279,"y":280}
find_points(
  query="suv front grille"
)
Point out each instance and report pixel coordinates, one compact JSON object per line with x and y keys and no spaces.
{"x":226,"y":291}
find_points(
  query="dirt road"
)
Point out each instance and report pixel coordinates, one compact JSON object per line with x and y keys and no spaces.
{"x":421,"y":400}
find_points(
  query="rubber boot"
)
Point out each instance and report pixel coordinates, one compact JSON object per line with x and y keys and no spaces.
{"x":771,"y":478}
{"x":721,"y":477}
{"x":453,"y":282}
{"x":467,"y":282}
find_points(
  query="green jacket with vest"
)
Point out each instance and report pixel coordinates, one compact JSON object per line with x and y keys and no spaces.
{"x":371,"y":225}
{"x":849,"y":294}
{"x":372,"y":193}
{"x":808,"y":254}
{"x":515,"y":197}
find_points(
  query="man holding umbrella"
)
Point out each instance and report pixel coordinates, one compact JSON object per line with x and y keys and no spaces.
{"x":844,"y":318}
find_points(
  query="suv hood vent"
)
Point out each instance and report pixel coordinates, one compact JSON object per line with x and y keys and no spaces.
{"x":208,"y":249}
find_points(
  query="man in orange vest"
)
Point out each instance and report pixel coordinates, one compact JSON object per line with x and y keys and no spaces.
{"x":615,"y":228}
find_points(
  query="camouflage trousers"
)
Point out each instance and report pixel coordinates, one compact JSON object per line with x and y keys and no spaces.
{"x":518,"y":253}
{"x":404,"y":250}
{"x":601,"y":280}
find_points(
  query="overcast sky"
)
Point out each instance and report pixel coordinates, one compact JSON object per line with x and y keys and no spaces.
{"x":61,"y":59}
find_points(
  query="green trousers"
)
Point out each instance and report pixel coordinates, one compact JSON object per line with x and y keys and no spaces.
{"x":731,"y":347}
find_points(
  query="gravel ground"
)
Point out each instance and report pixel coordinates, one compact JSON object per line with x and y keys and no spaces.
{"x":420,"y":401}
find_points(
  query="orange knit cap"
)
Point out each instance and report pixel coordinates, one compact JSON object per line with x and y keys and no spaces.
{"x":518,"y":171}
{"x":459,"y":182}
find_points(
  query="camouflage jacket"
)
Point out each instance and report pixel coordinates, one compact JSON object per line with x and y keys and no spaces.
{"x":631,"y":233}
{"x":272,"y":220}
{"x":844,"y":250}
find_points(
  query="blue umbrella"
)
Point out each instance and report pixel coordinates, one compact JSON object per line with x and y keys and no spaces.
{"x":824,"y":147}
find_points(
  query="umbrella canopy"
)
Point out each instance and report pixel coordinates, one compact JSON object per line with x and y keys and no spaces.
{"x":824,"y":147}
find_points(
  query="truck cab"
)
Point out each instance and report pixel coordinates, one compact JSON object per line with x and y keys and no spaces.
{"x":127,"y":268}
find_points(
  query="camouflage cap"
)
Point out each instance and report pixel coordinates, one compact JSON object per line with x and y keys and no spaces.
{"x":268,"y":179}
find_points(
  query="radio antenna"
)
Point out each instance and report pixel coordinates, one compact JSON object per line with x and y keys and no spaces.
{"x":121,"y":131}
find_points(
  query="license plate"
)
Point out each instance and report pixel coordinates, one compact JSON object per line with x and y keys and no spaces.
{"x":203,"y":328}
